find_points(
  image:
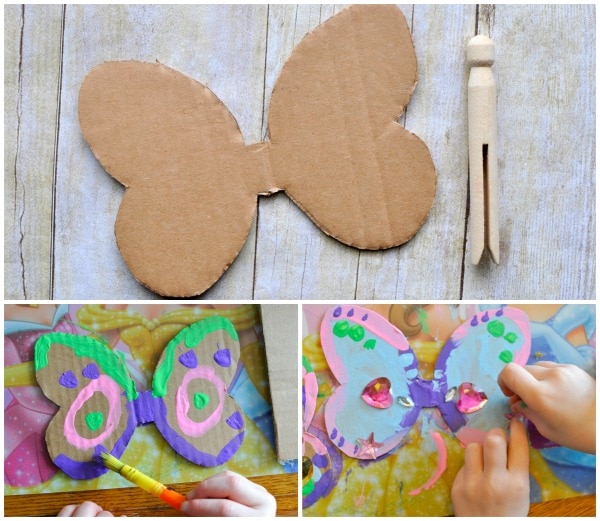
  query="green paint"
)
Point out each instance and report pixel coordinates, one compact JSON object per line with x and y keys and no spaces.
{"x":422,"y":318}
{"x":523,"y":405}
{"x":191,"y":336}
{"x":495,"y":328}
{"x":370,"y":344}
{"x":340,"y":329}
{"x":306,"y":365}
{"x":506,"y":356}
{"x":201,"y":400}
{"x":109,"y":361}
{"x":308,"y":488}
{"x":511,"y":338}
{"x":357,"y":333}
{"x":94,"y":420}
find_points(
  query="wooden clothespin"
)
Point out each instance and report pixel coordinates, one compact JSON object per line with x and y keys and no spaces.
{"x":483,"y":158}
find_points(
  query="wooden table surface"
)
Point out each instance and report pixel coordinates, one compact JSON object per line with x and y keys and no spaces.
{"x":136,"y":502}
{"x":60,"y":205}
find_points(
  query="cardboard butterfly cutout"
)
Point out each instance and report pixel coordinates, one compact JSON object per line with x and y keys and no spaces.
{"x":99,"y":406}
{"x":335,"y":148}
{"x":381,"y":393}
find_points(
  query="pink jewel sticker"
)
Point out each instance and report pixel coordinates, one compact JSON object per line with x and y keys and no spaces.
{"x":470,"y":398}
{"x":377,"y":393}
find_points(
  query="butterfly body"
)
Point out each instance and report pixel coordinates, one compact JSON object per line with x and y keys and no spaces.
{"x":100,"y":407}
{"x":334,"y":146}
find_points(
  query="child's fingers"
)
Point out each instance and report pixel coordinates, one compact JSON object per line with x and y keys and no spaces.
{"x":228,"y":485}
{"x":473,"y":459}
{"x":516,"y":379}
{"x":518,"y":447}
{"x":67,"y":511}
{"x":208,"y":507}
{"x":494,"y":451}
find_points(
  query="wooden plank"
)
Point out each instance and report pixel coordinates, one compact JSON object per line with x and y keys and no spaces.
{"x":221,"y":46}
{"x":294,"y":258}
{"x":429,"y":265}
{"x":545,"y":72}
{"x":132,"y":501}
{"x":32,"y":51}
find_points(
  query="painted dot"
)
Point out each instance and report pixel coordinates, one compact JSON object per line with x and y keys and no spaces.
{"x":94,"y":420}
{"x":511,"y":338}
{"x":68,"y":380}
{"x":500,"y":312}
{"x":334,"y":433}
{"x":350,"y":313}
{"x":235,"y":421}
{"x":337,"y":312}
{"x":341,"y":441}
{"x":188,"y":359}
{"x":356,"y":333}
{"x":506,"y":356}
{"x":370,"y":344}
{"x":523,"y":405}
{"x":201,"y":400}
{"x":340,"y":329}
{"x":485,"y":317}
{"x":474,"y":321}
{"x":308,"y":487}
{"x":495,"y":328}
{"x":90,"y":371}
{"x":365,"y":316}
{"x":223,"y":357}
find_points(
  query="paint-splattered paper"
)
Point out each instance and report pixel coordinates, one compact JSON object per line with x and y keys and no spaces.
{"x":137,"y":335}
{"x":441,"y":366}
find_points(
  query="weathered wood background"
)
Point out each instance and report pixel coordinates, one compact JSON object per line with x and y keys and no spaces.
{"x":60,"y":206}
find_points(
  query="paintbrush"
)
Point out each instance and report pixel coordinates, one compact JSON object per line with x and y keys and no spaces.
{"x":170,"y":497}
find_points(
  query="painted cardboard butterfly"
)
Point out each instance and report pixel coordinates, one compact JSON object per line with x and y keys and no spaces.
{"x":320,"y":471}
{"x":381,"y":392}
{"x":335,"y":148}
{"x":100,"y":407}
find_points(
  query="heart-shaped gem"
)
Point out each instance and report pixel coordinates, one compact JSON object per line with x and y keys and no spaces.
{"x":470,"y":398}
{"x":377,"y":393}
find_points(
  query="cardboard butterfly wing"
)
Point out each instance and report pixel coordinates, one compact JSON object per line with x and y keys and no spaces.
{"x":190,"y":180}
{"x":475,"y":354}
{"x":335,"y":144}
{"x":317,"y":472}
{"x":193,"y":411}
{"x":370,"y":412}
{"x":95,"y":395}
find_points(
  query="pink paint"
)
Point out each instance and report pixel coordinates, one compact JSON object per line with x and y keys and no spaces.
{"x":442,"y":461}
{"x":311,"y":390}
{"x":105,"y":385}
{"x":182,"y":403}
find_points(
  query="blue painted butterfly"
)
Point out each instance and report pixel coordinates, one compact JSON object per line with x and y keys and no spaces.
{"x":100,"y":407}
{"x":381,"y":392}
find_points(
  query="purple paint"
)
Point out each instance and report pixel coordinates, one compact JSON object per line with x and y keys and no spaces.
{"x":235,"y":421}
{"x":474,"y":321}
{"x":351,"y":312}
{"x":188,"y":359}
{"x":365,"y":316}
{"x":334,"y":434}
{"x":341,"y":442}
{"x":499,"y":313}
{"x":68,"y":380}
{"x":90,"y":371}
{"x":485,"y":317}
{"x":223,"y":357}
{"x":320,"y":460}
{"x":337,"y":312}
{"x":144,"y":408}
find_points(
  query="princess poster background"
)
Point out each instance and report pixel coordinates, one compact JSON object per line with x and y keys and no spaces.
{"x":353,"y":466}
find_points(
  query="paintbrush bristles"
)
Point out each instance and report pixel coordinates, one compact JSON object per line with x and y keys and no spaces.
{"x":111,"y":463}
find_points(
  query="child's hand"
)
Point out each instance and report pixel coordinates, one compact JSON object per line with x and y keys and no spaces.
{"x":495,"y":478}
{"x":228,"y":494}
{"x":86,"y":509}
{"x":559,"y":399}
